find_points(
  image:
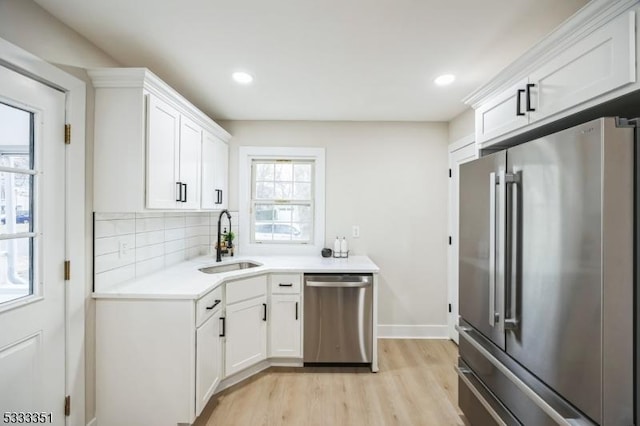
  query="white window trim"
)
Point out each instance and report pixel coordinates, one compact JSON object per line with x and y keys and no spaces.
{"x":245,"y":156}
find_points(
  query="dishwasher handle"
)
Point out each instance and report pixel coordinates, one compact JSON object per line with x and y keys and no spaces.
{"x":350,"y":284}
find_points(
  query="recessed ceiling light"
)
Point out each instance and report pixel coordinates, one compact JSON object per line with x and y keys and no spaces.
{"x":445,"y":79}
{"x":242,"y":77}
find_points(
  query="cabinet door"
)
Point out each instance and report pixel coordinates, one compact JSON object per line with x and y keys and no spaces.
{"x":284,"y":326}
{"x":246,"y":335}
{"x":499,"y":115}
{"x":190,"y":151}
{"x":215,"y":159}
{"x":597,"y":64}
{"x":221,"y":171}
{"x":163,"y":133}
{"x":208,"y":360}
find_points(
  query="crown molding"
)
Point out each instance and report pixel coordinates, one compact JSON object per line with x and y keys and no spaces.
{"x":144,"y":79}
{"x":585,"y":21}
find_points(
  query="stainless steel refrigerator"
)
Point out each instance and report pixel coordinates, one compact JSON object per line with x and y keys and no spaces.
{"x":546,"y":281}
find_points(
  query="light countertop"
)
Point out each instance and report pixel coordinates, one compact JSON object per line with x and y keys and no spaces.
{"x":185,"y":281}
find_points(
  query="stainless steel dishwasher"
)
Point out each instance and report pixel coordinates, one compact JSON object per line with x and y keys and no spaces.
{"x":338,"y":318}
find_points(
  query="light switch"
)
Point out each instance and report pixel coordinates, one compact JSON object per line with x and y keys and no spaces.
{"x":123,"y":248}
{"x":355,"y":231}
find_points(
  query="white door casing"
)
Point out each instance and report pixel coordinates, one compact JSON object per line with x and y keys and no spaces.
{"x":459,"y":152}
{"x":32,"y":342}
{"x":26,"y":63}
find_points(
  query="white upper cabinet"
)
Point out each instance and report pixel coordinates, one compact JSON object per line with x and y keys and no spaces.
{"x":215,"y":160}
{"x":163,"y":142}
{"x":601,"y":62}
{"x":589,"y":60}
{"x":502,"y":114}
{"x":190,"y":157}
{"x":148,"y":146}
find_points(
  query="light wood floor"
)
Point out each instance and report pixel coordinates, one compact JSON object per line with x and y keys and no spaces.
{"x":416,"y":385}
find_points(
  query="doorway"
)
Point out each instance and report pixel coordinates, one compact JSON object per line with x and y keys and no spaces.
{"x":460,"y":152}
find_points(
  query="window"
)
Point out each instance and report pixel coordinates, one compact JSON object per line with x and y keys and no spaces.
{"x":281,"y":200}
{"x":16,"y":200}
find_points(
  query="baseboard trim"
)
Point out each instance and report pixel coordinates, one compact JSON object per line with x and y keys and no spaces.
{"x":393,"y":331}
{"x":93,"y":422}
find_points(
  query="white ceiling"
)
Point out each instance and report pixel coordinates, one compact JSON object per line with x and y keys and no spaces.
{"x":318,"y":59}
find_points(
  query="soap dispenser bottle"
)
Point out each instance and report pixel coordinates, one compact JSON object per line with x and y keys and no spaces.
{"x":336,"y":248}
{"x":344,"y":248}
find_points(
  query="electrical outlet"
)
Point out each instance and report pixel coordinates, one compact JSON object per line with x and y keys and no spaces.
{"x":355,"y":231}
{"x":123,"y":248}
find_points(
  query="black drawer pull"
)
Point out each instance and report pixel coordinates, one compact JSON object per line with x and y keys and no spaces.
{"x":264,"y":315}
{"x":518,"y":102}
{"x":285,"y":285}
{"x":296,"y":311}
{"x":529,"y":107}
{"x":179,"y":199}
{"x":216,"y":303}
{"x":224,"y":327}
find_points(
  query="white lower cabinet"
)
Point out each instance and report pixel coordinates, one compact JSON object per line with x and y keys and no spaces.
{"x":208,"y":359}
{"x":285,"y":326}
{"x":246,"y":324}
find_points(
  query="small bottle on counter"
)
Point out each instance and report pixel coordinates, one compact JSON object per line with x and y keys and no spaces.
{"x":336,"y":248}
{"x":344,"y":248}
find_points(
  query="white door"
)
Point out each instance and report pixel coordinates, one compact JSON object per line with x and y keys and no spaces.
{"x":163,"y":133}
{"x":284,"y":326}
{"x":456,"y":157}
{"x":190,"y":153}
{"x":32,"y":247}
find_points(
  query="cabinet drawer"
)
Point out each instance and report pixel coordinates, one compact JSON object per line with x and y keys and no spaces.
{"x":246,"y":289}
{"x":208,"y":304}
{"x":285,"y":283}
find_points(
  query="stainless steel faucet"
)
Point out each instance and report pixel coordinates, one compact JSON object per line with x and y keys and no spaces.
{"x":218,"y":249}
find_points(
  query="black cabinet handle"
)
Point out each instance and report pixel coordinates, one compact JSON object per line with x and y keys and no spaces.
{"x":529,"y":108}
{"x":224,"y":327}
{"x":179,"y":191}
{"x":519,"y":101}
{"x":218,"y":196}
{"x":285,"y":285}
{"x":296,"y":311}
{"x":264,"y":314}
{"x":184,"y":200}
{"x":216,"y":303}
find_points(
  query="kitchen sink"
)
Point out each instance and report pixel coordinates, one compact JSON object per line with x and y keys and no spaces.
{"x":228,"y":267}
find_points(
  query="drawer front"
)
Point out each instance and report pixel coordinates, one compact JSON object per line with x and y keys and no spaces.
{"x":246,"y":289}
{"x":285,"y":283}
{"x":208,"y":304}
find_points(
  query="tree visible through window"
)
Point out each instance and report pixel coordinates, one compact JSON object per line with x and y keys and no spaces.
{"x":282,"y":201}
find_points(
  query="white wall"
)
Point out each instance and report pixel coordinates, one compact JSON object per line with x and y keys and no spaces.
{"x":27,"y":25}
{"x":391,"y":180}
{"x":462,"y":125}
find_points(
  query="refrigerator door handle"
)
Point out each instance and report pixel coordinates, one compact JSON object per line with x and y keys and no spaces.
{"x":524,"y":388}
{"x":492,"y":249}
{"x":511,"y":300}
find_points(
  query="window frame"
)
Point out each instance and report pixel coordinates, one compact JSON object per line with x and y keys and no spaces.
{"x":285,"y":202}
{"x":247,"y":154}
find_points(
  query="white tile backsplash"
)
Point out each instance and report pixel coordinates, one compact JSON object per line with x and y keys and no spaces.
{"x":152,"y":241}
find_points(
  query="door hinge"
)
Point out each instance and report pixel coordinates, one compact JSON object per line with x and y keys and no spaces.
{"x":67,"y":405}
{"x":449,"y":240}
{"x":67,"y":134}
{"x":449,"y":172}
{"x":449,"y":307}
{"x":67,"y":270}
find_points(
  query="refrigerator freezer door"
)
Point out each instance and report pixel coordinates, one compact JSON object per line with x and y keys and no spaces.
{"x":558,"y":267}
{"x":481,"y":256}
